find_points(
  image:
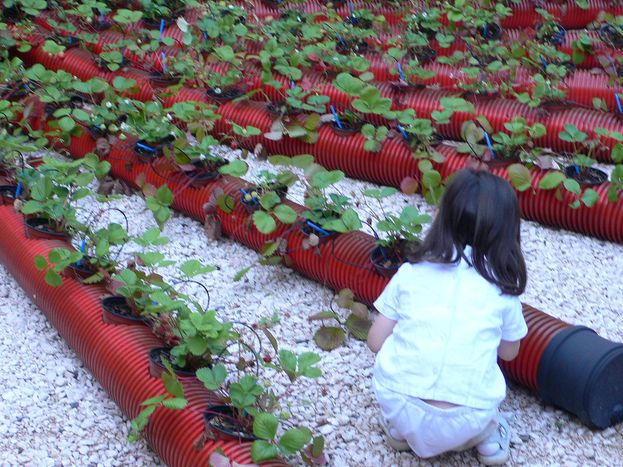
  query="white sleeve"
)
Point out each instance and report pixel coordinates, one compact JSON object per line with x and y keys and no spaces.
{"x":388,"y":303}
{"x":513,"y":323}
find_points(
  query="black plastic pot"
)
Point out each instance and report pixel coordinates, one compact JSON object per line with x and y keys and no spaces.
{"x":273,"y":3}
{"x":116,"y":310}
{"x":582,"y":373}
{"x":254,"y":203}
{"x":557,"y":37}
{"x":81,"y":270}
{"x":588,"y":176}
{"x":103,"y":64}
{"x":358,"y":22}
{"x":156,"y":367}
{"x":224,"y":95}
{"x":275,"y":109}
{"x":40,"y":228}
{"x":346,"y":48}
{"x":96,"y":132}
{"x":7,"y":194}
{"x":385,"y":264}
{"x":101,"y":25}
{"x":609,"y":35}
{"x":310,"y":227}
{"x":221,"y":421}
{"x":12,"y":14}
{"x":161,"y":80}
{"x":425,"y":55}
{"x":153,"y":23}
{"x":347,"y":128}
{"x":203,"y":175}
{"x":148,"y":152}
{"x":491,"y":31}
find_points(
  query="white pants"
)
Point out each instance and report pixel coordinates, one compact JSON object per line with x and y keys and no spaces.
{"x":431,"y":430}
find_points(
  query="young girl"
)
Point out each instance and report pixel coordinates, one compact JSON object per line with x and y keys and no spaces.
{"x":444,"y":319}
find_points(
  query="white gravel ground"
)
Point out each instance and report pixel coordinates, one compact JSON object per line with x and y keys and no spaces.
{"x":56,"y":414}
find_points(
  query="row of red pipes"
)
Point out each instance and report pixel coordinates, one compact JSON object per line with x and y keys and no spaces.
{"x":580,"y":86}
{"x":116,"y":355}
{"x":497,"y":111}
{"x":567,"y":13}
{"x":394,"y":162}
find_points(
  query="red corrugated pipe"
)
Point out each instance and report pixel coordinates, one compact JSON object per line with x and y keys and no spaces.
{"x":115,"y":355}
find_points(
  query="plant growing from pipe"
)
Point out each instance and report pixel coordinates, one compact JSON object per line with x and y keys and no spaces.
{"x":265,"y":200}
{"x":396,"y":234}
{"x":357,"y":323}
{"x":368,"y":97}
{"x":580,"y":172}
{"x":518,"y":145}
{"x":255,"y":407}
{"x":173,"y":398}
{"x":327,"y":212}
{"x":94,"y":256}
{"x":55,"y":187}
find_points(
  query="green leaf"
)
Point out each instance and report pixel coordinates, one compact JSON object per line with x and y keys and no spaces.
{"x":590,"y":197}
{"x":269,"y":200}
{"x":235,"y":168}
{"x":194,"y":267}
{"x":329,"y":337}
{"x":288,"y":360}
{"x":358,"y":327}
{"x":40,"y":262}
{"x":571,"y":185}
{"x":226,"y":203}
{"x":154,"y":400}
{"x":351,"y":220}
{"x":264,"y":222}
{"x":176,"y":403}
{"x":240,"y":274}
{"x":53,"y":278}
{"x":551,"y":180}
{"x":164,"y":195}
{"x":294,"y":440}
{"x":325,"y":179}
{"x":327,"y":314}
{"x":265,"y":426}
{"x":122,"y":84}
{"x":285,"y":214}
{"x":431,"y":179}
{"x":263,"y":451}
{"x":520,"y":177}
{"x":171,"y":383}
{"x":197,"y":345}
{"x":212,"y":378}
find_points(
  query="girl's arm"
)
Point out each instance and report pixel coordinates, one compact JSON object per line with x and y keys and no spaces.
{"x":380,"y":330}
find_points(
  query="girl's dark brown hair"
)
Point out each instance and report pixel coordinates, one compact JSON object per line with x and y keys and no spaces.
{"x":481,"y":210}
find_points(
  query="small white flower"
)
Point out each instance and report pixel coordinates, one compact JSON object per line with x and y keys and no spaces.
{"x":126,"y":101}
{"x":217,"y":90}
{"x":202,"y":157}
{"x":169,"y":117}
{"x":108,"y":104}
{"x":124,"y":126}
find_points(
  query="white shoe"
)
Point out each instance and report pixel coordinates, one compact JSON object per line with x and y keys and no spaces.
{"x":501,"y":436}
{"x":397,"y":444}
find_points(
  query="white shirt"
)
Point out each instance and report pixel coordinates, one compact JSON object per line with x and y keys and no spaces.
{"x":449,"y":323}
